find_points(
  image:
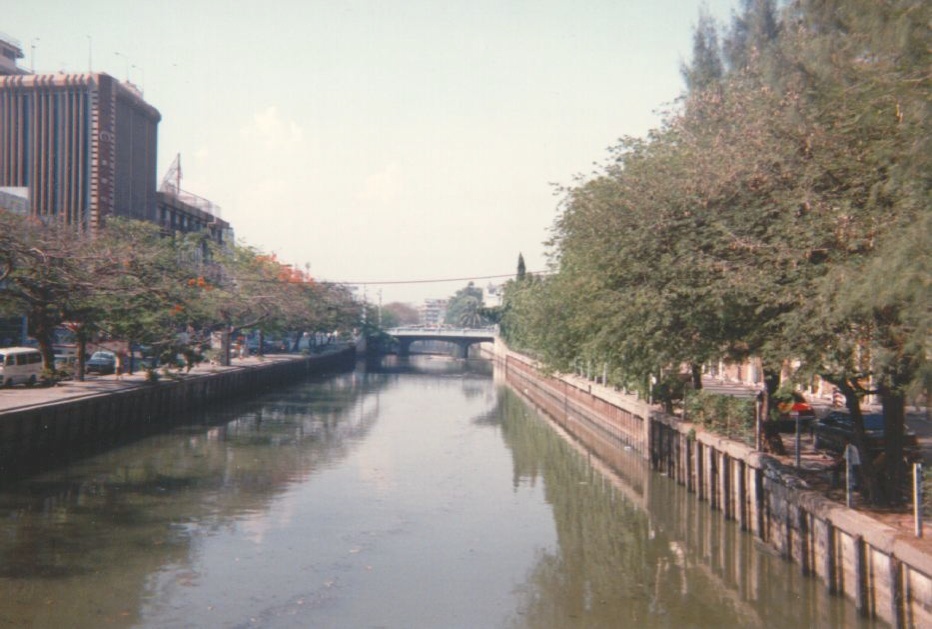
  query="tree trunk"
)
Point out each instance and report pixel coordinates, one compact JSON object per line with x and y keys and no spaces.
{"x":81,"y":349}
{"x":872,"y":489}
{"x":225,"y":348}
{"x":894,"y":415}
{"x":44,"y":337}
{"x":696,"y":371}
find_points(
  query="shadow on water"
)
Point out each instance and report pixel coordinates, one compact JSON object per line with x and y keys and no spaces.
{"x":59,"y":454}
{"x":636,"y":549}
{"x":95,"y":530}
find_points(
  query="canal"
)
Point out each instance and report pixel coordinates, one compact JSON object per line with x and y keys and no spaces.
{"x":415,"y":493}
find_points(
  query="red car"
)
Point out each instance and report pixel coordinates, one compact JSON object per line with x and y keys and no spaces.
{"x":790,"y":410}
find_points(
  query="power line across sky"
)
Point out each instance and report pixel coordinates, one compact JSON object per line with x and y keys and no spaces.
{"x":433,"y":281}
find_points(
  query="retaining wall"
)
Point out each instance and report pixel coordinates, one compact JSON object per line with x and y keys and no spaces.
{"x":45,"y":434}
{"x":886,"y":573}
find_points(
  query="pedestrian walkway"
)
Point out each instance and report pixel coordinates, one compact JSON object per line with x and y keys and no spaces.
{"x":22,"y":397}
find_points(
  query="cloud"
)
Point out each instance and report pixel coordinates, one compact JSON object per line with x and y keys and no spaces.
{"x":382,"y":187}
{"x":270,"y":130}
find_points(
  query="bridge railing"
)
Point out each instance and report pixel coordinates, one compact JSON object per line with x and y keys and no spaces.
{"x":441,"y":331}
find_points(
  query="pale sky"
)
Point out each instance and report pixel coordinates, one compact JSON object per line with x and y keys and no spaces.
{"x":381,"y":141}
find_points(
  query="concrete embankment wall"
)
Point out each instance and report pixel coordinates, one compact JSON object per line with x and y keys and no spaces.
{"x":882,"y":570}
{"x":44,"y":434}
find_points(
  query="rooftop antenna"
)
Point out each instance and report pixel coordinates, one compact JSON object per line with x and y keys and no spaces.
{"x":171,"y":182}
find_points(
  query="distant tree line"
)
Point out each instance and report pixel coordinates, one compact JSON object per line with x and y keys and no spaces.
{"x":172,"y":293}
{"x":781,"y":211}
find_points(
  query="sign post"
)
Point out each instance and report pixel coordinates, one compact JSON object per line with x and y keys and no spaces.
{"x":852,"y":460}
{"x":795,"y":416}
{"x":917,"y":496}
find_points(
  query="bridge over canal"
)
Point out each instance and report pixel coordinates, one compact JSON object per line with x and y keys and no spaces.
{"x":461,"y":338}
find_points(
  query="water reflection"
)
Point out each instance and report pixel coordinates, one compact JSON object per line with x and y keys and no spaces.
{"x":410,"y":493}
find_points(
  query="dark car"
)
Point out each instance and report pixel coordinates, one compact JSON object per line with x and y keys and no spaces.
{"x":836,"y":430}
{"x":790,"y":410}
{"x":101,"y":362}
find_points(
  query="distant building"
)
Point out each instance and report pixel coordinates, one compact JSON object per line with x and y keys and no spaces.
{"x":492,"y":295}
{"x":433,"y":312}
{"x":182,"y":211}
{"x":10,"y":52}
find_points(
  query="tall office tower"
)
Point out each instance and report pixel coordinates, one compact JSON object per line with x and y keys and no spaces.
{"x":84,"y":145}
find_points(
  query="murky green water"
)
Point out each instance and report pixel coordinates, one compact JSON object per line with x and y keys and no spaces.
{"x":419,"y":495}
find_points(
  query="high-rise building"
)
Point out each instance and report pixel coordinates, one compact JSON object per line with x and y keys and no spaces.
{"x":83,"y":144}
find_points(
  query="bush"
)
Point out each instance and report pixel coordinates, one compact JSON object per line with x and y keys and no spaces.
{"x":723,"y":414}
{"x":670,"y":389}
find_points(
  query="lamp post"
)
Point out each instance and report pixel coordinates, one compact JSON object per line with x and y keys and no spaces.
{"x":143,"y":80}
{"x":32,"y":59}
{"x":125,"y":62}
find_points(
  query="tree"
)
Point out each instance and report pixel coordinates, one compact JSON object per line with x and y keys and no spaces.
{"x":522,"y":270}
{"x":464,"y":306}
{"x":399,"y":314}
{"x":761,"y":217}
{"x":753,"y":33}
{"x":53,"y":272}
{"x":706,"y":68}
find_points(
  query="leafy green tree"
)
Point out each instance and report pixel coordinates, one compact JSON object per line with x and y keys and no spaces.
{"x":399,"y":314}
{"x":754,"y":32}
{"x":464,"y":307}
{"x":706,"y":67}
{"x":760,"y":219}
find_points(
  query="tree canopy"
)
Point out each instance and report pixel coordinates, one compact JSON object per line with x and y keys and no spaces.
{"x":780,"y":212}
{"x":137,"y":285}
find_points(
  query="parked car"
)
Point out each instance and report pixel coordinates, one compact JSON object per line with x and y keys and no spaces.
{"x":101,"y":362}
{"x":836,"y":430}
{"x":791,"y":409}
{"x":65,"y":365}
{"x":20,"y":365}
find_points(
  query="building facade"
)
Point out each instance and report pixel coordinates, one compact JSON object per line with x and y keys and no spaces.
{"x":433,"y":312}
{"x":84,"y":145}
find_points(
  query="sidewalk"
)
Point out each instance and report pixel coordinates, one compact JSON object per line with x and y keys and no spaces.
{"x":21,"y":397}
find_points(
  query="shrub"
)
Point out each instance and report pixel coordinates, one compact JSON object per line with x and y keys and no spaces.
{"x":727,"y":415}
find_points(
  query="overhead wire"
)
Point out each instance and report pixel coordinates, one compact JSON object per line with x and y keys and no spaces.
{"x":430,"y":281}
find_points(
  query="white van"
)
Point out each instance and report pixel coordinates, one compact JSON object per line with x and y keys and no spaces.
{"x":20,"y":365}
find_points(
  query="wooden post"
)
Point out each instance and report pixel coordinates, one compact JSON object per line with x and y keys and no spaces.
{"x":896,"y":593}
{"x":741,"y":510}
{"x":829,"y":564}
{"x":860,"y":577}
